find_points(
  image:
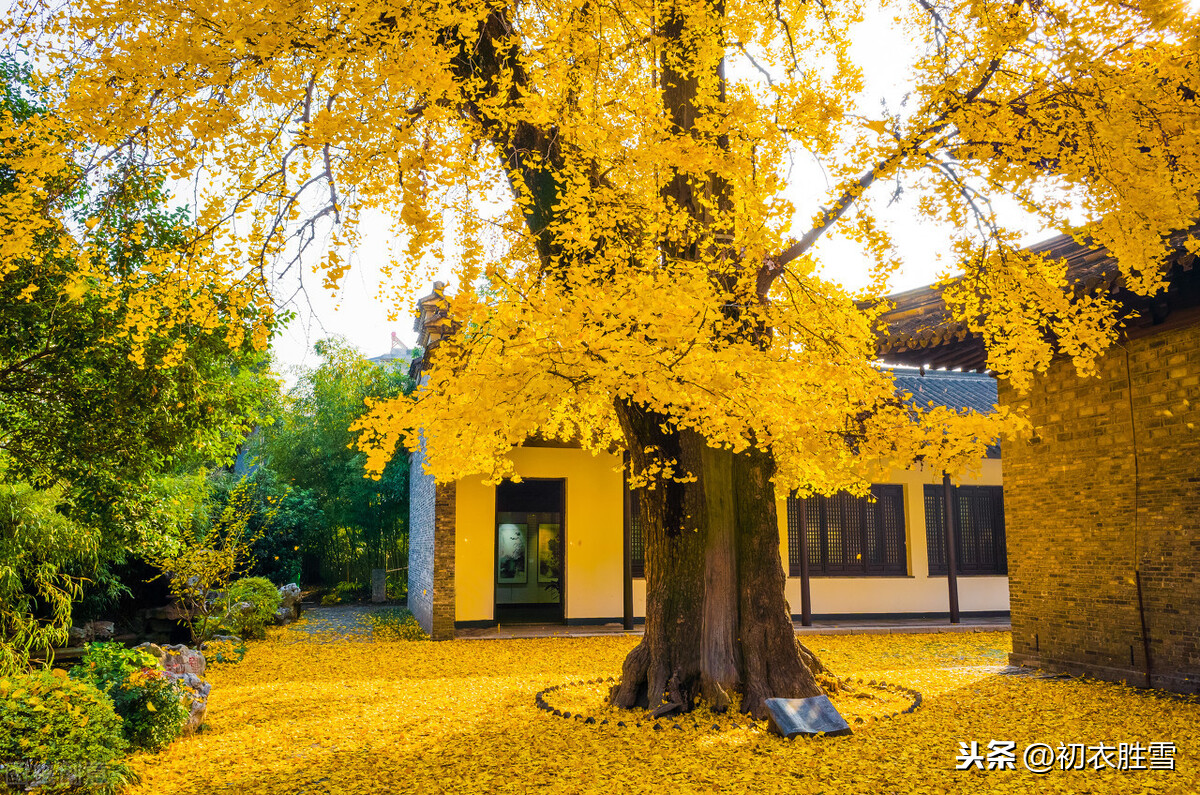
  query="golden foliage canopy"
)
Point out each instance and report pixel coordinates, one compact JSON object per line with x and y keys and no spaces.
{"x":608,"y":181}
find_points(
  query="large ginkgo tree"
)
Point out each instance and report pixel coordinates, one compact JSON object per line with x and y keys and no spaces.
{"x":609,"y":181}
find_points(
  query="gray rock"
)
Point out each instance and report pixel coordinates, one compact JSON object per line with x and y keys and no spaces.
{"x":289,"y":604}
{"x":170,"y":612}
{"x":99,"y":630}
{"x":289,"y":595}
{"x":76,"y":636}
{"x":196,"y":692}
{"x":179,"y":659}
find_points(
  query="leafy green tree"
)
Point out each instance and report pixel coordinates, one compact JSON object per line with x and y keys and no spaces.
{"x":362,"y":523}
{"x":204,"y":558}
{"x":43,"y":556}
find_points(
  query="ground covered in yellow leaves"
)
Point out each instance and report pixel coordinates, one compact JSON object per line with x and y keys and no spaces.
{"x":302,"y":714}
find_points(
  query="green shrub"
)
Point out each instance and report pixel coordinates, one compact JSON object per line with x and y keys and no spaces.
{"x":59,"y":735}
{"x":108,"y":664}
{"x":150,"y":704}
{"x":343,"y":592}
{"x":397,"y":588}
{"x":260,"y":592}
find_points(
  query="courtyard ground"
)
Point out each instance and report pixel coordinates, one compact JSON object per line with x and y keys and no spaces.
{"x":333,"y":706}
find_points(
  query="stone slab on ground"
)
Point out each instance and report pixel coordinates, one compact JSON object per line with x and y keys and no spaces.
{"x":793,"y":717}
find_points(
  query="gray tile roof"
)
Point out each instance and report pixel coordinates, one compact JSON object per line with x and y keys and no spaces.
{"x":974,"y":391}
{"x":919,"y":328}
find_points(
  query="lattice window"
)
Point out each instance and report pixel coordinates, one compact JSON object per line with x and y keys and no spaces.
{"x":849,"y":536}
{"x":979,"y":529}
{"x":637,"y":538}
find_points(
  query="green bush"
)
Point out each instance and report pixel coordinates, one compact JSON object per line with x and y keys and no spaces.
{"x":397,"y":588}
{"x":59,"y":735}
{"x":344,"y":592}
{"x":260,"y":592}
{"x":108,"y":664}
{"x":150,"y":704}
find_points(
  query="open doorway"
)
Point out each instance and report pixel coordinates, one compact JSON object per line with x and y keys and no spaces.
{"x":530,"y":551}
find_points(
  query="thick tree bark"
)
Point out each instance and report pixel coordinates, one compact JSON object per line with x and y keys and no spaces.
{"x":719,"y":654}
{"x":717,"y":622}
{"x":773,"y":667}
{"x":663,"y":672}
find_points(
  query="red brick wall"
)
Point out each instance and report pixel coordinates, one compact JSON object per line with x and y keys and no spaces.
{"x":1110,"y":486}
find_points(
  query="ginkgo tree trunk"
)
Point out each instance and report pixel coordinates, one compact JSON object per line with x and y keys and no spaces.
{"x":717,"y":622}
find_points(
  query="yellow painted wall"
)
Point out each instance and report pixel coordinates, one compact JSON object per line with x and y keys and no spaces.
{"x":474,"y":550}
{"x":916,"y":593}
{"x":593,"y":527}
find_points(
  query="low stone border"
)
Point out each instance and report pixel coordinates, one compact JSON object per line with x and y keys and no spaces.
{"x":539,"y":700}
{"x":882,"y":685}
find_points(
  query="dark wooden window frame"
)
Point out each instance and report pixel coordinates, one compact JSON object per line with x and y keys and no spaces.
{"x":979,"y":540}
{"x":850,"y":536}
{"x":637,"y":538}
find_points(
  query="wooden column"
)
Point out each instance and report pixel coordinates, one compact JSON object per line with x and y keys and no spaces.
{"x":951,"y":552}
{"x":805,"y":598}
{"x":627,"y":593}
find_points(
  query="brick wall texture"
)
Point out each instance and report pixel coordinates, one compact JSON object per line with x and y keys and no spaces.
{"x":421,"y":513}
{"x":1109,"y":489}
{"x":430,"y":551}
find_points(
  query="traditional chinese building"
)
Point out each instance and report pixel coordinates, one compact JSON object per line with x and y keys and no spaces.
{"x":563,"y":545}
{"x":1102,"y":505}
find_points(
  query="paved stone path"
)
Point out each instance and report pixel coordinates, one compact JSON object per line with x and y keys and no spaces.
{"x":352,"y":622}
{"x":851,"y":626}
{"x":357,"y":622}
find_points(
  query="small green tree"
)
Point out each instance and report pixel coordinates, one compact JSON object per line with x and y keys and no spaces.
{"x":204,"y":559}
